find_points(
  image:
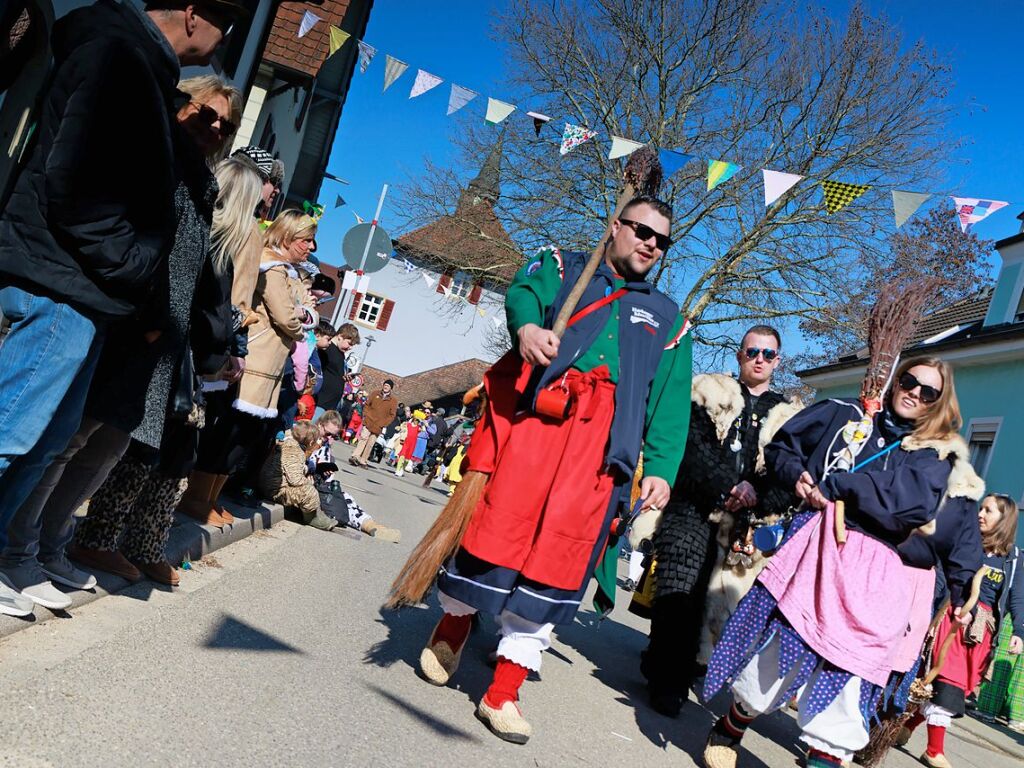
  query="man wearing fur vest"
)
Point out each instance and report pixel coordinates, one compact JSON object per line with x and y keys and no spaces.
{"x":731,"y":421}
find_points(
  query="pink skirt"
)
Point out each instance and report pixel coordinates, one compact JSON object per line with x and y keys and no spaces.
{"x":856,"y":605}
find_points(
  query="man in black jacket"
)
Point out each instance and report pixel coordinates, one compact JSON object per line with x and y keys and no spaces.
{"x":92,"y":216}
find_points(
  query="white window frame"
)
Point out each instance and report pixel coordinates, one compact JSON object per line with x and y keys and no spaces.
{"x":462,"y":285}
{"x":372,"y":305}
{"x":985,"y":424}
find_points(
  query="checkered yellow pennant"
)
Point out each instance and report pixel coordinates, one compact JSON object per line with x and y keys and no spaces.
{"x":838,"y":194}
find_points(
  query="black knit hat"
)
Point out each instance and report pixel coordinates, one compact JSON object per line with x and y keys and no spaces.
{"x":259,"y":157}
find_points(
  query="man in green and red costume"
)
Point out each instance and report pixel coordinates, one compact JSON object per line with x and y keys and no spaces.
{"x":560,"y":440}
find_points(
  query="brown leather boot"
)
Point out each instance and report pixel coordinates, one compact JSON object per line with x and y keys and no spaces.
{"x":104,"y":560}
{"x":196,"y":501}
{"x":162,"y":572}
{"x":218,"y":486}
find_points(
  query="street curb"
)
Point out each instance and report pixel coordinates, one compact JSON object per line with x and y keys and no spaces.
{"x":993,"y":736}
{"x":187,"y":537}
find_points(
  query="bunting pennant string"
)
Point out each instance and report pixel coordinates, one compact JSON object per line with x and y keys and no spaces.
{"x":428,"y":280}
{"x":447,"y":290}
{"x":776,"y":184}
{"x":496,"y":321}
{"x":481,"y":312}
{"x":498,"y":110}
{"x":424,"y":82}
{"x":393,"y":69}
{"x":671,"y":161}
{"x":905,"y":205}
{"x":338,"y":38}
{"x":539,"y":121}
{"x":622,"y":147}
{"x":971,"y":210}
{"x":573,"y":136}
{"x":309,"y":20}
{"x":719,"y":171}
{"x":459,"y":98}
{"x":366,"y":54}
{"x":409,"y":266}
{"x":339,"y":201}
{"x":359,"y":219}
{"x":838,"y":194}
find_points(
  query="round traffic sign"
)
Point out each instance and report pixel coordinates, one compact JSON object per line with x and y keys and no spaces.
{"x":354,"y":246}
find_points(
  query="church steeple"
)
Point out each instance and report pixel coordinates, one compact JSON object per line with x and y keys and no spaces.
{"x":487,"y":184}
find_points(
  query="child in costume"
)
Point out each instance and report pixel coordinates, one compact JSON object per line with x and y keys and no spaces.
{"x":1002,"y":594}
{"x":835,"y":613}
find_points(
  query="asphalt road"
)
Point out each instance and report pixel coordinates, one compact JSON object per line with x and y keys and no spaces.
{"x":274,"y":652}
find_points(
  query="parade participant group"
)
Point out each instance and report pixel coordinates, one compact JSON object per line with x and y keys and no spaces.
{"x":163,"y":351}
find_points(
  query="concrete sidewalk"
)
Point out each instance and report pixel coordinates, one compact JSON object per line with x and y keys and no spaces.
{"x":188,"y":539}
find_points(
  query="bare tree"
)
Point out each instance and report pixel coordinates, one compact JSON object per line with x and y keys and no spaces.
{"x":756,"y":82}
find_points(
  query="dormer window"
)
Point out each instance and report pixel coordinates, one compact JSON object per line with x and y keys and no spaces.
{"x":1018,"y":315}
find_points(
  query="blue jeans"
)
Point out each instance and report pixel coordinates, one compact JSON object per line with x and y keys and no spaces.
{"x":46,"y":364}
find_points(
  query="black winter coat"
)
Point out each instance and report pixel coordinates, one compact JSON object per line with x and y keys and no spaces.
{"x":91,"y":217}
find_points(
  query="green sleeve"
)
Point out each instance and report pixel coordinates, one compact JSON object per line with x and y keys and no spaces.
{"x":533,"y":290}
{"x":668,"y":410}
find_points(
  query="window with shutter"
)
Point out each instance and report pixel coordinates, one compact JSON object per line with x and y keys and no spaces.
{"x":444,"y":282}
{"x":475,"y":293}
{"x":385,"y":315}
{"x":357,"y":299}
{"x":981,"y":439}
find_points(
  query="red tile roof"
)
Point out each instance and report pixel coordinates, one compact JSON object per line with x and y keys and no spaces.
{"x":434,"y":384}
{"x":306,"y":54}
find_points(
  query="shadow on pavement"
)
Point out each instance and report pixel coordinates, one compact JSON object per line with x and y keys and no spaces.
{"x":232,"y":634}
{"x":614,"y":650}
{"x":434,"y":723}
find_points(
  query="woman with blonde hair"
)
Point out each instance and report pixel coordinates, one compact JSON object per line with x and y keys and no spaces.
{"x":835,"y":616}
{"x":142,"y":393}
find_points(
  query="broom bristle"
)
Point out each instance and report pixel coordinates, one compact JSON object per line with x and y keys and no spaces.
{"x":438,"y":544}
{"x":883,"y":738}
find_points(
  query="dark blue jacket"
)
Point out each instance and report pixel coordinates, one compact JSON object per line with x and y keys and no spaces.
{"x":646,"y":319}
{"x":955,"y":545}
{"x":889,"y":497}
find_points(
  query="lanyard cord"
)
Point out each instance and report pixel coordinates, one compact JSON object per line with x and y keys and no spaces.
{"x":888,"y":449}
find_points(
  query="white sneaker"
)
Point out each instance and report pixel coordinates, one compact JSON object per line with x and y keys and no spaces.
{"x":47,"y":595}
{"x":400,"y":473}
{"x":63,"y":572}
{"x":12,"y":603}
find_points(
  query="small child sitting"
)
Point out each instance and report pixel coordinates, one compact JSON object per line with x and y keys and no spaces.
{"x":339,"y":504}
{"x":284,"y":477}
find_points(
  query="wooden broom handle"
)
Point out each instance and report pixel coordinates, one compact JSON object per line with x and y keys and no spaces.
{"x":947,"y":642}
{"x":573,"y":299}
{"x":840,"y":512}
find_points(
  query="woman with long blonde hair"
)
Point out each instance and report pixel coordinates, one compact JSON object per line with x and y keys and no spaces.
{"x":834,"y":616}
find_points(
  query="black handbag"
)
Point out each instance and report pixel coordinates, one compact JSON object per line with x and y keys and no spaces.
{"x":187,"y":402}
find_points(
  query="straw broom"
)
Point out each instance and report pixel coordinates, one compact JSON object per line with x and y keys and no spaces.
{"x":642,"y":175}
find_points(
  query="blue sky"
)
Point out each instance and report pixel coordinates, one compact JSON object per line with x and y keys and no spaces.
{"x":384,"y":137}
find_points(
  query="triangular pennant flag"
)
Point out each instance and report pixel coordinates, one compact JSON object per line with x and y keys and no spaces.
{"x":459,"y":97}
{"x":496,"y":321}
{"x":393,"y":69}
{"x":971,"y":210}
{"x":622,"y":147}
{"x":776,"y":184}
{"x":409,"y":266}
{"x":359,"y":219}
{"x":424,"y":82}
{"x":538,"y":121}
{"x":573,"y":136}
{"x":497,"y":110}
{"x":309,"y":20}
{"x":447,"y":290}
{"x":671,"y":161}
{"x":719,"y":171}
{"x":481,"y":312}
{"x":366,"y":54}
{"x":339,"y":201}
{"x":428,"y":280}
{"x":905,"y":204}
{"x":838,"y":194}
{"x":338,"y":38}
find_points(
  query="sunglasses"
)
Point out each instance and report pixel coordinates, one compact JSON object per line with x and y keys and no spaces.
{"x":208,"y":116}
{"x":643,"y":232}
{"x":768,"y":354}
{"x":908,"y":383}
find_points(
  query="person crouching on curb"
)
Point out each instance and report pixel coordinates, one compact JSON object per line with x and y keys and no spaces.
{"x":285,"y":480}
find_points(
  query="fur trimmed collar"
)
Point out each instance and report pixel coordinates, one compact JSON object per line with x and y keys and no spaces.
{"x":963,"y":480}
{"x":720,"y":395}
{"x":771,"y":424}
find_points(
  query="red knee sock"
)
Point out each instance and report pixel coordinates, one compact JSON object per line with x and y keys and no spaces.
{"x":936,"y":740}
{"x":915,"y":720}
{"x":453,"y":630}
{"x":508,"y":676}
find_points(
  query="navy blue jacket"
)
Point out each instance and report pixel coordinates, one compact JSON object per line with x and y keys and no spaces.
{"x":888,"y":498}
{"x":955,"y":545}
{"x":640,"y":350}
